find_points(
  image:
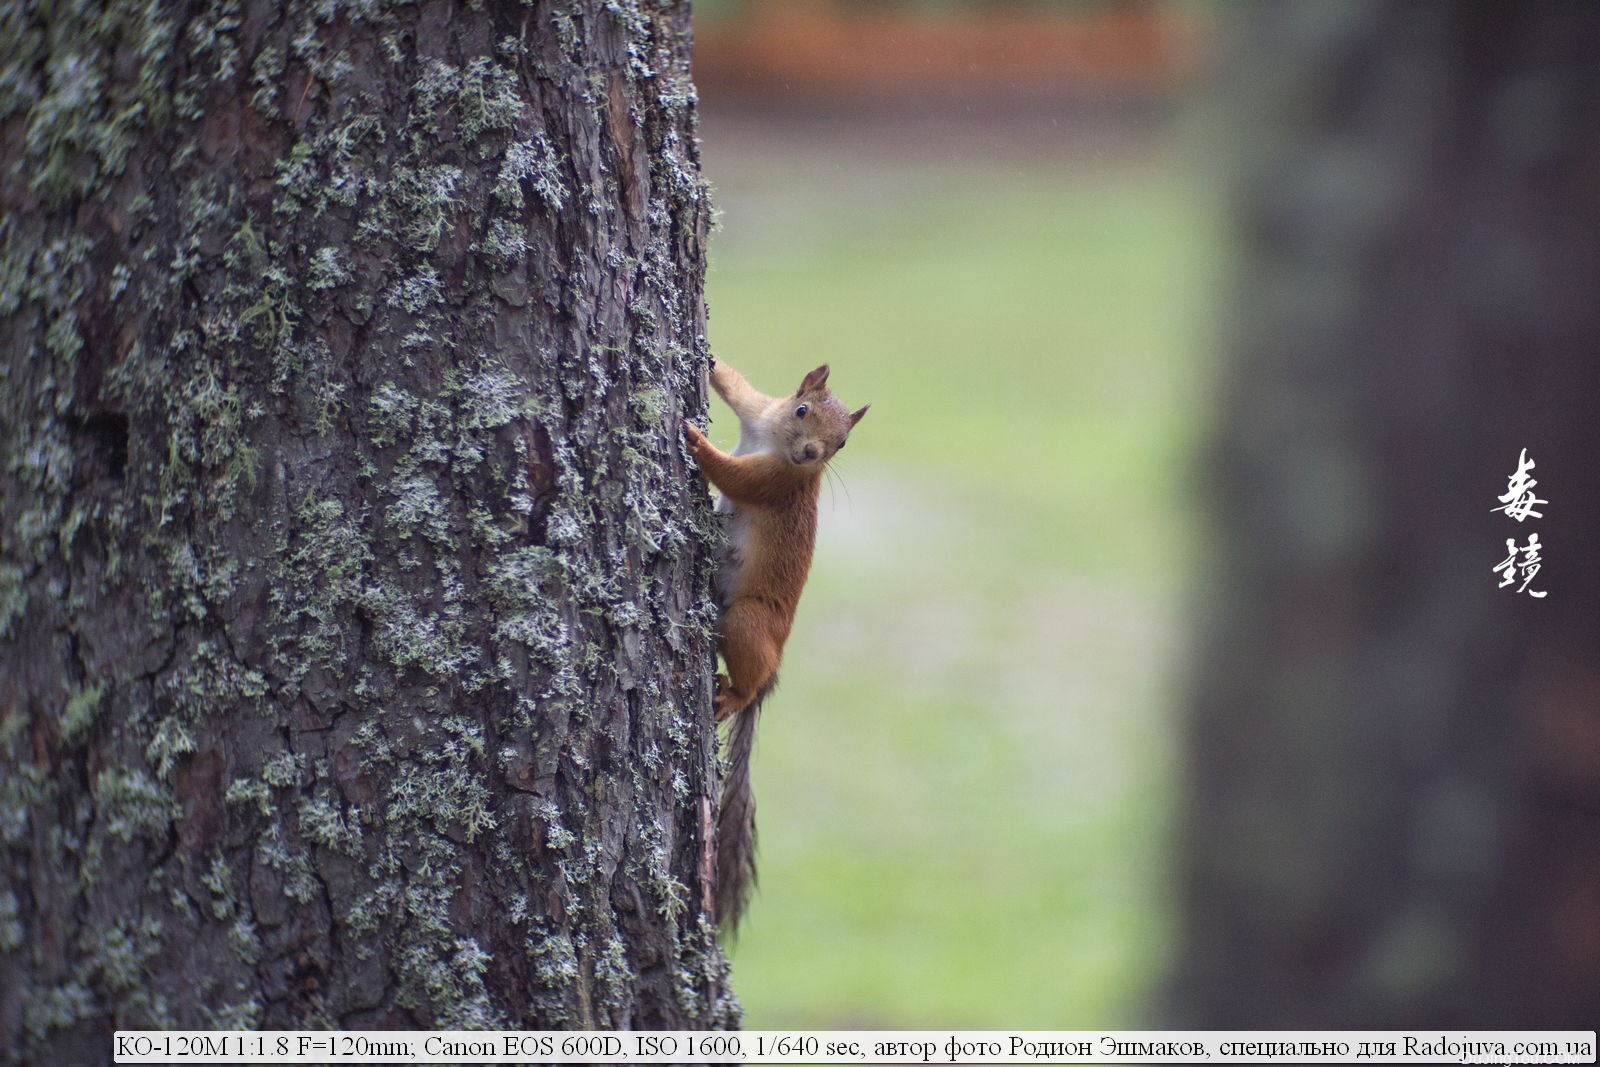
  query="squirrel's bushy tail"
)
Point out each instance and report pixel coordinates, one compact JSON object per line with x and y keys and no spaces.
{"x":736,"y":821}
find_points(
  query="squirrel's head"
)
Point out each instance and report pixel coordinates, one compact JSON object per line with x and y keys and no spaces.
{"x":814,"y":423}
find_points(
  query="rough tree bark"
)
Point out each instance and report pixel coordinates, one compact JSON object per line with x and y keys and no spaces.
{"x":354,"y":586}
{"x":1395,"y":796}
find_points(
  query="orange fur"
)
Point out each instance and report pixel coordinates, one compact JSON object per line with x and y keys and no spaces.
{"x":770,"y":486}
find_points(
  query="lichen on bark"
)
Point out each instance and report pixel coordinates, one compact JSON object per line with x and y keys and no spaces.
{"x":353,"y":584}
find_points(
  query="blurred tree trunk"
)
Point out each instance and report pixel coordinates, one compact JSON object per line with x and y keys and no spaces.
{"x":1394,"y":808}
{"x":354,"y":646}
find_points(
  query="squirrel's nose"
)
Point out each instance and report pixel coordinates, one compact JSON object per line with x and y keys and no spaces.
{"x":810,"y":452}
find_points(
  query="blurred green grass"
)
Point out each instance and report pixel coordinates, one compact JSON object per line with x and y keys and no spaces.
{"x":964,"y":780}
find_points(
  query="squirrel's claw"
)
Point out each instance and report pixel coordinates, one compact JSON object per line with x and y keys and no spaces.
{"x":697,"y":440}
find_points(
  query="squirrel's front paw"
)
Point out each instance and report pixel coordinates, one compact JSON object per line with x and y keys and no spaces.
{"x":697,"y":440}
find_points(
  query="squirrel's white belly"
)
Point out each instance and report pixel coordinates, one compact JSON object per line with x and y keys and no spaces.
{"x":753,"y":437}
{"x":736,"y":553}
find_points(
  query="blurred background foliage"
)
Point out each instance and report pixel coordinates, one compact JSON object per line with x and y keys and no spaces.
{"x":996,"y":788}
{"x":965,"y":778}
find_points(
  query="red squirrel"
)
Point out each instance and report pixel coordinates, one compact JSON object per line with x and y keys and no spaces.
{"x":769,"y":487}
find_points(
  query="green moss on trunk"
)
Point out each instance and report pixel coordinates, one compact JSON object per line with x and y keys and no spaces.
{"x":353,"y":576}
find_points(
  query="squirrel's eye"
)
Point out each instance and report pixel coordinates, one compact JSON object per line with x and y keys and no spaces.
{"x":800,"y":412}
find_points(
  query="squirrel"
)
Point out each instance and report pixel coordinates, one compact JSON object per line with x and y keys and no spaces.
{"x":769,"y":486}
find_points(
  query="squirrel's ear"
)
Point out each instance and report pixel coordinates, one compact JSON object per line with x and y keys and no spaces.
{"x":855,"y":416}
{"x":815,"y":380}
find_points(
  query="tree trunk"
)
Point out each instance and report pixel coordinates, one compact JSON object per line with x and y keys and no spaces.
{"x":355,"y":631}
{"x":1395,"y":795}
